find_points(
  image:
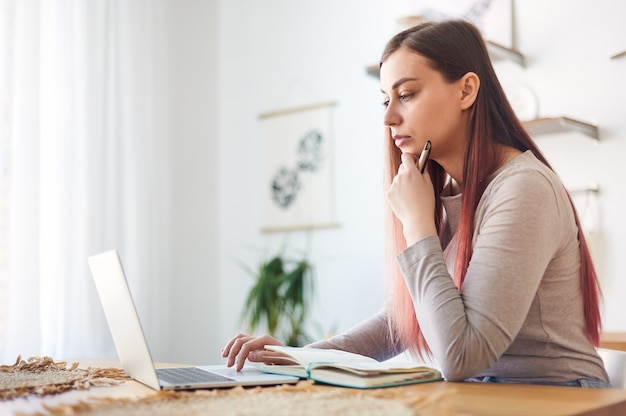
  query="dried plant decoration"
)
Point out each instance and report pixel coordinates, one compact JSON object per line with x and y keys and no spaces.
{"x":305,"y":398}
{"x":43,"y":376}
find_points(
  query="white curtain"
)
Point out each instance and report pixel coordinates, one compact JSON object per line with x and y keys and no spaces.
{"x":86,"y":167}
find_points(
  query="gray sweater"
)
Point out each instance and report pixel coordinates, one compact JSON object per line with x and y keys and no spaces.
{"x":519,"y":314}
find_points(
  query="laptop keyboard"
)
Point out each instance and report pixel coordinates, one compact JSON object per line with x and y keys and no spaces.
{"x":189,"y":375}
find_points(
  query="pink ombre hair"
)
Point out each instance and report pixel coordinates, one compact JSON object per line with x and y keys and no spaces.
{"x":455,"y":48}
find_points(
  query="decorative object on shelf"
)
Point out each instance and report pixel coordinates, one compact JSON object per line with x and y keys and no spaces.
{"x":619,"y":55}
{"x":553,"y":125}
{"x":523,"y":100}
{"x":493,"y":17}
{"x":298,"y":174}
{"x":280,"y":298}
{"x":412,"y":20}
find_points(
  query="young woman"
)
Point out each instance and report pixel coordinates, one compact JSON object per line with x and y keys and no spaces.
{"x":488,"y":269}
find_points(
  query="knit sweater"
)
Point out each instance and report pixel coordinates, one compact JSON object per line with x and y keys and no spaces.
{"x":519,"y":314}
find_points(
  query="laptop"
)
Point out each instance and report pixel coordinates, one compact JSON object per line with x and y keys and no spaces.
{"x":132,"y":347}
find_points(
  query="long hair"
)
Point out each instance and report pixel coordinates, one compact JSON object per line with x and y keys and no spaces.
{"x":455,"y":48}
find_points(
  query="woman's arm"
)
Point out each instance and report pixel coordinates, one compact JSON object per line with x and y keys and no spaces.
{"x":370,"y":338}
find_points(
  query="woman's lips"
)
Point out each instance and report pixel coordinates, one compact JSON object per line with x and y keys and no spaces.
{"x":401,"y":140}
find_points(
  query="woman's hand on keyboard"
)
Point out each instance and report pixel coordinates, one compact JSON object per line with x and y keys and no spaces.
{"x":243,"y":346}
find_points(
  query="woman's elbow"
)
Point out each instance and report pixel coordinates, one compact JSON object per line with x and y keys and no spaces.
{"x":455,"y":372}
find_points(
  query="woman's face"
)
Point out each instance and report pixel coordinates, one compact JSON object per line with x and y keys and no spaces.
{"x":421,"y":105}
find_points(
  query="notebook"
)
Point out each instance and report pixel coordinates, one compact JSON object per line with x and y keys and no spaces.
{"x":132,"y":347}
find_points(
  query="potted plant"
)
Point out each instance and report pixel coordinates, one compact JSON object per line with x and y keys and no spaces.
{"x":280,"y":298}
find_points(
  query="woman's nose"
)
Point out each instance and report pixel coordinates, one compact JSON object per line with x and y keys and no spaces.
{"x":391,"y":117}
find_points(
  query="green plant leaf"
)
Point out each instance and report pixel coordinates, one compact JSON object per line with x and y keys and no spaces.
{"x":279,"y":298}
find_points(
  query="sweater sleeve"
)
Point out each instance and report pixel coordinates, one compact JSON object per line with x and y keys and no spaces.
{"x":370,"y":338}
{"x":516,"y":234}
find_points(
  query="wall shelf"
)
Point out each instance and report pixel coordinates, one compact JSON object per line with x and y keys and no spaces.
{"x":373,"y":70}
{"x":619,"y":55}
{"x":553,"y":125}
{"x":497,"y":51}
{"x":591,"y":190}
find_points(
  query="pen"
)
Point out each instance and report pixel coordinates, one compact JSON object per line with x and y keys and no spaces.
{"x":421,"y":164}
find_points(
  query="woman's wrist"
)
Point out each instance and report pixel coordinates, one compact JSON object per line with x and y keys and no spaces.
{"x":414,"y":233}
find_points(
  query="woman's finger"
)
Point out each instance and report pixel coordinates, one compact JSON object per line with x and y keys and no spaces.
{"x":246,"y":346}
{"x":226,"y":350}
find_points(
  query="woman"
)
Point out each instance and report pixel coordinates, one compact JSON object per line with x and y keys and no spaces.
{"x":488,"y":268}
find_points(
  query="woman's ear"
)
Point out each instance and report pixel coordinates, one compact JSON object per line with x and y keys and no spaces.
{"x":470,"y":84}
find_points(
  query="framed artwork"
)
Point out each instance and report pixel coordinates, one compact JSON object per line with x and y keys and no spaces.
{"x":298,"y":181}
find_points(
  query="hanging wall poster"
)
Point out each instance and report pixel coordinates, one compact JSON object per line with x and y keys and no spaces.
{"x":298,"y":178}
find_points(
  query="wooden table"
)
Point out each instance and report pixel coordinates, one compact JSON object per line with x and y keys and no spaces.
{"x":494,"y":399}
{"x":613,"y":340}
{"x":484,"y":399}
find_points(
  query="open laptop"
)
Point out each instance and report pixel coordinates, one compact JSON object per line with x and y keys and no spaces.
{"x":132,"y":348}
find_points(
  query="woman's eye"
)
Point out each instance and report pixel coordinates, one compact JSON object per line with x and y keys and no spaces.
{"x":386,"y":103}
{"x":405,"y":97}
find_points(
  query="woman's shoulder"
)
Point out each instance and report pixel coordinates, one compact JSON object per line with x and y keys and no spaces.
{"x":524,"y":161}
{"x":525,"y":169}
{"x":526,"y":177}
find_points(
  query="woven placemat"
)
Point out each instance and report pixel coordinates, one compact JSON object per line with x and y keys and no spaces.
{"x":304,"y":399}
{"x":43,"y":376}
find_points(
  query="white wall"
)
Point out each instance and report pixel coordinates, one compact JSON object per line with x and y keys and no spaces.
{"x":191,"y":42}
{"x":279,"y":54}
{"x":568,"y":45}
{"x":275,"y":54}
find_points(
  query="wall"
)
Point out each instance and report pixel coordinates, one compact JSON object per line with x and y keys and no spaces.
{"x":277,"y":54}
{"x":568,"y":45}
{"x":280,"y":54}
{"x":189,"y":48}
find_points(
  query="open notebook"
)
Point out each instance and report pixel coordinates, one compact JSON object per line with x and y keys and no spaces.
{"x":132,"y":348}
